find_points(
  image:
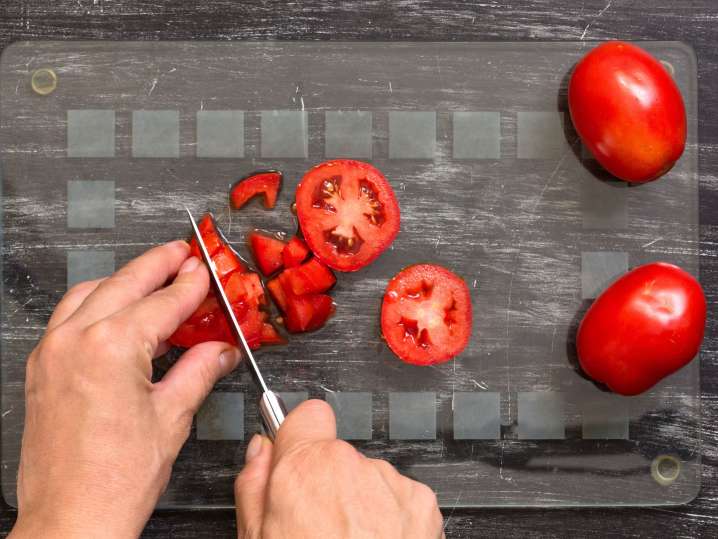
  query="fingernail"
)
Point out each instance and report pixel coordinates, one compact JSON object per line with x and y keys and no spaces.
{"x":254,"y":448}
{"x":191,"y":264}
{"x":228,"y":360}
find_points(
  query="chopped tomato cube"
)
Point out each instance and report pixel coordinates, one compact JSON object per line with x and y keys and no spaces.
{"x":265,"y":183}
{"x":227,"y":262}
{"x":295,"y":252}
{"x":307,"y":313}
{"x":310,"y":278}
{"x":270,"y":336}
{"x":212,"y":240}
{"x":277,"y":292}
{"x":267,"y":252}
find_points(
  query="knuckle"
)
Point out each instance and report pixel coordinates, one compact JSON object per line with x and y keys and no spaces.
{"x":99,"y":334}
{"x":341,"y":451}
{"x":426,"y":497}
{"x":80,"y":289}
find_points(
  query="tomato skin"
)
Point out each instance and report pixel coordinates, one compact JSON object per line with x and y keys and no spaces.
{"x":351,"y":214}
{"x":266,"y":183}
{"x":628,"y":111}
{"x":426,"y":315}
{"x":646,"y":325}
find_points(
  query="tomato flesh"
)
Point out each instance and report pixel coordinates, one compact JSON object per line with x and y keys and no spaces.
{"x":295,"y":252}
{"x":313,"y":277}
{"x":266,"y":183}
{"x":267,"y":252}
{"x":307,"y":313}
{"x":426,"y":315}
{"x":243,"y":290}
{"x":628,"y":111}
{"x":646,"y":325}
{"x":348,"y":213}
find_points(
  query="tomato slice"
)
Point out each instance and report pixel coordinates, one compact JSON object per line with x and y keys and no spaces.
{"x":426,"y":314}
{"x":276,"y":290}
{"x":348,"y":213}
{"x":295,"y":252}
{"x":267,"y":252}
{"x":312,"y":277}
{"x":266,"y":183}
{"x":227,"y":262}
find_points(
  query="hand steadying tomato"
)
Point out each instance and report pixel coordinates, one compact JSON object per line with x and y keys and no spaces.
{"x":645,"y":326}
{"x":628,"y":111}
{"x":426,"y":315}
{"x":243,"y":289}
{"x":266,"y":183}
{"x":347,"y":212}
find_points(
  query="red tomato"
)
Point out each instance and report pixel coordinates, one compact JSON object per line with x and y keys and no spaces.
{"x":313,"y":277}
{"x":645,"y":326}
{"x":347,"y":212}
{"x":628,"y":111}
{"x":307,"y":313}
{"x":426,"y":315}
{"x":244,"y":291}
{"x":267,"y":252}
{"x":265,"y":183}
{"x":295,"y":252}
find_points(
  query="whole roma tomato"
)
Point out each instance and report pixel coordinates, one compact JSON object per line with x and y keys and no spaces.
{"x":646,"y":325}
{"x":628,"y":111}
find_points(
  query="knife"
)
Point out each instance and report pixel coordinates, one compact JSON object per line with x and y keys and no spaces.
{"x":272,"y":410}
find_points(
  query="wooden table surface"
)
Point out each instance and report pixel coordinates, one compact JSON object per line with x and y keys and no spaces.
{"x":694,"y":22}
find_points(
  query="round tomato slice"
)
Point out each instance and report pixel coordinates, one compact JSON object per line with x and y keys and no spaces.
{"x":347,"y":212}
{"x":426,"y":315}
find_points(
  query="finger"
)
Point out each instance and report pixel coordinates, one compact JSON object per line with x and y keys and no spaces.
{"x":311,"y":421}
{"x":189,"y":381}
{"x":71,"y":301}
{"x":137,"y":279}
{"x":250,"y":487}
{"x":155,"y":318}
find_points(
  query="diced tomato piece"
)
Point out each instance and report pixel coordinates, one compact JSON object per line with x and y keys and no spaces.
{"x":267,"y":252}
{"x":211,"y":237}
{"x":295,"y":252}
{"x":312,"y":277}
{"x":270,"y":335}
{"x":277,"y":292}
{"x":227,"y":262}
{"x":265,"y":183}
{"x":307,"y":313}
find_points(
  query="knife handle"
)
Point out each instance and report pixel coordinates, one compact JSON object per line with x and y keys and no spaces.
{"x":272,"y":411}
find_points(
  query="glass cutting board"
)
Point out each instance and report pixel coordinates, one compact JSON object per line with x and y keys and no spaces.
{"x":103,"y":144}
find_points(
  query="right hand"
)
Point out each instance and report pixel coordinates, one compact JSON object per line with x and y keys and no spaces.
{"x":308,"y":484}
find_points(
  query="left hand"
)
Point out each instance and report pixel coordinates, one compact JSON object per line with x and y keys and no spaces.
{"x":100,"y":438}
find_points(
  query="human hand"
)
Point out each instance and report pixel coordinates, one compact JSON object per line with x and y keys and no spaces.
{"x":311,"y":485}
{"x":100,"y":438}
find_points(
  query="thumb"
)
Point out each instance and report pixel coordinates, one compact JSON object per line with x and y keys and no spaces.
{"x":311,"y":421}
{"x":189,"y":381}
{"x":250,"y":487}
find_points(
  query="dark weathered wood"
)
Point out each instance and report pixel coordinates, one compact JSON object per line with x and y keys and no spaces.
{"x":442,"y":20}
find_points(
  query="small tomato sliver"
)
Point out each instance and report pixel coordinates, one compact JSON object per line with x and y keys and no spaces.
{"x":628,"y":111}
{"x":426,"y":314}
{"x":348,"y":213}
{"x":646,"y":325}
{"x":266,"y":183}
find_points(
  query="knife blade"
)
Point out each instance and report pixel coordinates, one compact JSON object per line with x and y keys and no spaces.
{"x":271,"y":407}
